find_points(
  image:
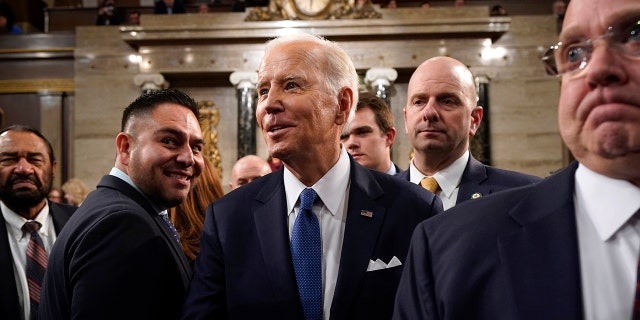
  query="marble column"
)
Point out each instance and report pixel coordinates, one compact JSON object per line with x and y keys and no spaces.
{"x":150,"y":81}
{"x":247,"y":96}
{"x":481,"y":142}
{"x":379,"y":81}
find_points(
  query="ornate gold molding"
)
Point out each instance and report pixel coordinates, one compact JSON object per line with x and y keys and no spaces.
{"x":37,"y":85}
{"x":339,"y":9}
{"x":210,"y":117}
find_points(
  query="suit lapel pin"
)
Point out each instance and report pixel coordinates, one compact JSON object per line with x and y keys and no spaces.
{"x":476,"y":195}
{"x":366,"y":213}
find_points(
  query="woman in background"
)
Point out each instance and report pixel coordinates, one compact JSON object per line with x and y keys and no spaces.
{"x":188,"y":217}
{"x":75,"y":191}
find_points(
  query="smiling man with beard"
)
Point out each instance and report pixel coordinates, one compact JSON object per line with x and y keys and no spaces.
{"x":27,"y":164}
{"x":119,"y":257}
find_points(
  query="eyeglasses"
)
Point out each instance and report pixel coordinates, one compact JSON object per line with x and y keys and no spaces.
{"x":564,"y":58}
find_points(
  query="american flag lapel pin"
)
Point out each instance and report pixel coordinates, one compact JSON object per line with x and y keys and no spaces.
{"x":366,"y":213}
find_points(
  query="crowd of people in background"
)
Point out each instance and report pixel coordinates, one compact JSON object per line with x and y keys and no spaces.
{"x":110,"y":14}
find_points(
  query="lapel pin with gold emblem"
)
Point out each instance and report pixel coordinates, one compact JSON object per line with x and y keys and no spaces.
{"x":476,"y":195}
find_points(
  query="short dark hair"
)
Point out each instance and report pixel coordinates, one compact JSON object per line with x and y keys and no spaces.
{"x":148,"y":101}
{"x":23,"y":128}
{"x":384,"y":118}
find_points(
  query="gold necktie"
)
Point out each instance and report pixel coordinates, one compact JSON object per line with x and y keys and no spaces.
{"x":430,"y":184}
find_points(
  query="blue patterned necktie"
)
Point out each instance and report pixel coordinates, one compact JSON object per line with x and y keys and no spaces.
{"x":306,"y":250}
{"x":36,"y":264}
{"x":174,"y":231}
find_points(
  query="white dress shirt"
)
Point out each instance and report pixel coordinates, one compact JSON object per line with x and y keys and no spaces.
{"x":18,"y":241}
{"x":609,"y":242}
{"x":448,"y":179}
{"x":330,"y":208}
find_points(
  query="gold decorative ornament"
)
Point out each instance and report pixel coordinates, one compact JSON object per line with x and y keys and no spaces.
{"x":210,"y":117}
{"x":313,"y":10}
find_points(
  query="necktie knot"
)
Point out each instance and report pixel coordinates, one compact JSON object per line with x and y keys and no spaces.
{"x":430,"y":183}
{"x":31,"y":227}
{"x":307,"y":198}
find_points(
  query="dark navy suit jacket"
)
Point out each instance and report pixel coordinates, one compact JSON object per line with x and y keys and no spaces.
{"x":161,"y":8}
{"x":115,"y":259}
{"x":510,"y":255}
{"x":479,"y":179}
{"x":9,"y":304}
{"x":244,"y":270}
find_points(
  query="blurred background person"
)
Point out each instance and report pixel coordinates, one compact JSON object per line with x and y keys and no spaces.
{"x":369,"y":135}
{"x":274,"y":163}
{"x":188,"y":217}
{"x":27,"y":165}
{"x":247,"y":169}
{"x":203,"y":8}
{"x":75,"y":191}
{"x":134,"y":18}
{"x":169,"y":7}
{"x":109,"y":14}
{"x":498,"y":11}
{"x":558,"y":9}
{"x":56,"y":196}
{"x":8,"y":20}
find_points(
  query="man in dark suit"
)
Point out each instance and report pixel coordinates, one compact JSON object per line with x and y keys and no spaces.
{"x":169,"y":7}
{"x":440,"y":117}
{"x":249,"y":266}
{"x":119,"y":257}
{"x":567,"y":247}
{"x":27,"y":166}
{"x":369,"y":135}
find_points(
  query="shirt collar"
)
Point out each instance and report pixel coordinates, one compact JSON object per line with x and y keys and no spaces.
{"x":392,"y":170}
{"x":125,"y":177}
{"x":448,"y":178}
{"x":330,"y":188}
{"x":16,"y":221}
{"x":609,"y":203}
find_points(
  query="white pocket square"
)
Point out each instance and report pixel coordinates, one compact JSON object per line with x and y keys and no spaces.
{"x":379,"y":264}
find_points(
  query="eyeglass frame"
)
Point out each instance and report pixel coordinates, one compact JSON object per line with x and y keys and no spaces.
{"x":617,"y":38}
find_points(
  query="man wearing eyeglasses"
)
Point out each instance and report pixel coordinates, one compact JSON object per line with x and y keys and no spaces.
{"x":566,"y":247}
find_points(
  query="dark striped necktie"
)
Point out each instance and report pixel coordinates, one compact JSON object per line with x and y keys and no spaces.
{"x":36,"y":265}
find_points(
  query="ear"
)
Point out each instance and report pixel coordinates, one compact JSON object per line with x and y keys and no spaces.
{"x":345,"y":100}
{"x":124,"y":143}
{"x":476,"y":117}
{"x":406,"y":128}
{"x":390,"y":136}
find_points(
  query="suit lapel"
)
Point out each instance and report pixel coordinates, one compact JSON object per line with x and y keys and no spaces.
{"x":8,"y":291}
{"x":270,"y":217}
{"x":542,"y":259}
{"x":178,"y":254}
{"x":360,"y":238}
{"x":473,"y":175}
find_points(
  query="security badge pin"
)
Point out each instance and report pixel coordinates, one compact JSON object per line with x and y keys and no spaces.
{"x":476,"y":195}
{"x":366,"y":213}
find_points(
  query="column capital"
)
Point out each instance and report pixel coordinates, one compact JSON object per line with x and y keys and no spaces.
{"x":244,"y":79}
{"x":380,"y":76}
{"x":150,"y":81}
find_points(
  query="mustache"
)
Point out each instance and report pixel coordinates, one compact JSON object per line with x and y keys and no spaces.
{"x":18,"y":178}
